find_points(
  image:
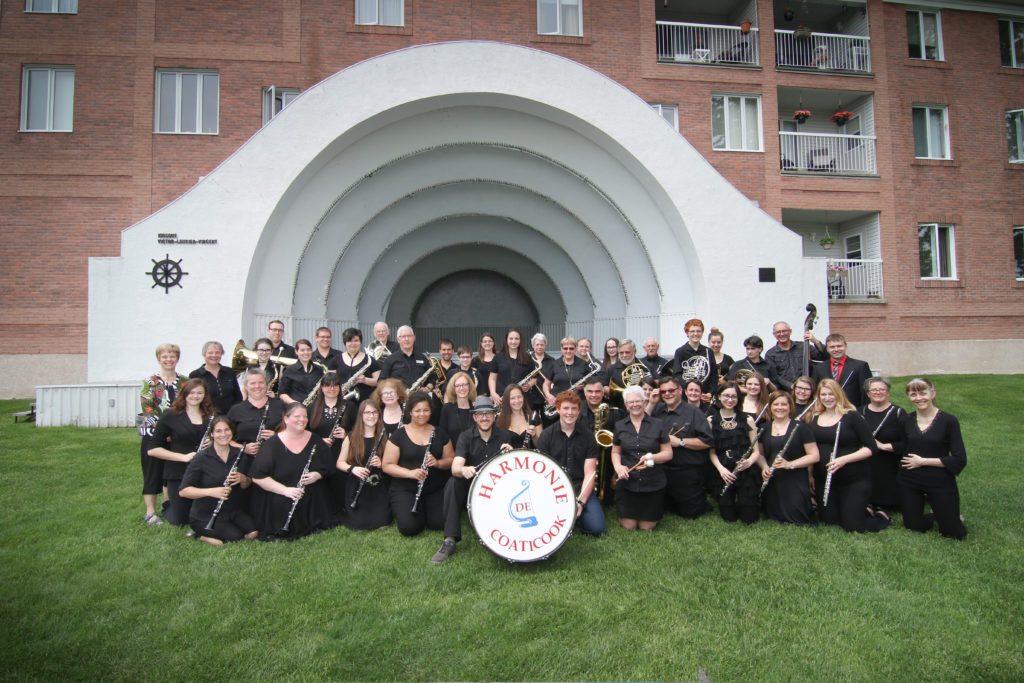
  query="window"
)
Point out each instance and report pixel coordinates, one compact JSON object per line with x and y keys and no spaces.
{"x":931,"y":132}
{"x":47,"y":98}
{"x":380,"y":12}
{"x":1015,"y":135}
{"x":935,"y":244}
{"x":1011,"y":43}
{"x":52,"y":6}
{"x":736,"y":122}
{"x":924,"y":35}
{"x":560,"y":17}
{"x":669,"y":112}
{"x":275,"y":99}
{"x":852,"y":245}
{"x":187,"y":102}
{"x":1018,"y":250}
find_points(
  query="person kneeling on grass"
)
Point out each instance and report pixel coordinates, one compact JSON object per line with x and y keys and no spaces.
{"x":475,"y":446}
{"x":209,"y":481}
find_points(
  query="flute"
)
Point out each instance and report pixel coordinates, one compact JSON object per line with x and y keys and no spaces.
{"x":782,"y":454}
{"x":362,"y":482}
{"x":301,"y":487}
{"x":831,"y":459}
{"x":423,"y":466}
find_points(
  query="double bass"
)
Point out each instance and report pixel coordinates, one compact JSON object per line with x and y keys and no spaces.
{"x":812,"y":317}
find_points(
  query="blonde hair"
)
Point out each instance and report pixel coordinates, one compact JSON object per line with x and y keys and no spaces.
{"x":449,"y":390}
{"x":843,"y":404}
{"x":173,"y":348}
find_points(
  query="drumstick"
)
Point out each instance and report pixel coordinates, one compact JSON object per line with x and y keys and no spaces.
{"x":643,"y":461}
{"x":586,"y":483}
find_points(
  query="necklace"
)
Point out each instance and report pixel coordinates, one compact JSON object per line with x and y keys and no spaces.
{"x":728,"y":422}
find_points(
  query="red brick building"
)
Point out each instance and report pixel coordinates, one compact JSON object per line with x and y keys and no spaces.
{"x":919,"y":189}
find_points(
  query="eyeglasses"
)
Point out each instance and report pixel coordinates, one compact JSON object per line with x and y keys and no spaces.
{"x":666,"y":390}
{"x":568,"y":348}
{"x":263,"y":350}
{"x":462,"y":385}
{"x":388,"y":393}
{"x":370,"y":412}
{"x":275,"y":329}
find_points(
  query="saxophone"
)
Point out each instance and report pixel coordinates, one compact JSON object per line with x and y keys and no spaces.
{"x":348,"y":389}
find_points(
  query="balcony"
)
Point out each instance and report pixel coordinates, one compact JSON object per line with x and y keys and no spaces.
{"x":716,"y":44}
{"x":827,"y":154}
{"x":854,"y":279}
{"x":832,"y":52}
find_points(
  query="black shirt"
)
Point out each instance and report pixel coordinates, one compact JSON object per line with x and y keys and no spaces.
{"x":853,"y":435}
{"x":206,"y":470}
{"x":696,"y":364}
{"x":247,"y":418}
{"x":570,"y":451}
{"x":176,"y":433}
{"x":511,"y":370}
{"x":330,"y":360}
{"x":564,"y":375}
{"x":346,"y":371}
{"x":634,"y":444}
{"x":455,"y":420}
{"x":223,"y":389}
{"x":298,"y":382}
{"x":653,"y":364}
{"x":789,"y":364}
{"x":535,"y":397}
{"x":410,"y":456}
{"x":483,"y":374}
{"x":761,"y":367}
{"x":685,"y":421}
{"x":407,"y":369}
{"x":942,"y":440}
{"x":283,"y":351}
{"x":475,"y":450}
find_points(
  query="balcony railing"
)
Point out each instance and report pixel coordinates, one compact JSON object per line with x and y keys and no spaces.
{"x":854,"y":278}
{"x":827,"y":153}
{"x":825,"y":51}
{"x":706,"y":44}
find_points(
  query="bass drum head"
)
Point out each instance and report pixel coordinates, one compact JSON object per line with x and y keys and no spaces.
{"x":522,"y":505}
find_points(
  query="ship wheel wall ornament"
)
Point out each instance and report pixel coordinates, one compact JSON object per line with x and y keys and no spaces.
{"x":166,"y":273}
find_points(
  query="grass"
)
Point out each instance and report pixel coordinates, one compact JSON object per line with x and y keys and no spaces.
{"x":87,"y":591}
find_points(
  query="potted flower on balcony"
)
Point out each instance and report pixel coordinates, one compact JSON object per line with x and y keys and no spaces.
{"x":841,"y":117}
{"x":801,"y":115}
{"x":826,"y":242}
{"x":803,"y":32}
{"x":835,"y":270}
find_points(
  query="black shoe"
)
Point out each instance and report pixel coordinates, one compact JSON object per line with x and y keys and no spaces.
{"x":446,"y":550}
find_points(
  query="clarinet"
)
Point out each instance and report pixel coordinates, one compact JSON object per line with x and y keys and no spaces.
{"x":227,"y":480}
{"x":301,"y":486}
{"x":785,"y":447}
{"x":757,"y":437}
{"x":527,"y":440}
{"x":362,"y":482}
{"x":206,"y":435}
{"x":423,"y":466}
{"x":831,"y":458}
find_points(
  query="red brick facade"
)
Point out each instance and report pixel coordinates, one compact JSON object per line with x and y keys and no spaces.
{"x":66,"y":196}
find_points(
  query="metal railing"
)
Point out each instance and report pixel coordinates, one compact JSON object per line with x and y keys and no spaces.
{"x":825,"y":51}
{"x":706,"y":44}
{"x":854,"y":278}
{"x":827,"y":153}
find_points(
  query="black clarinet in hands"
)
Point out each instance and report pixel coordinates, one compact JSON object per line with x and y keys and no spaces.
{"x":527,"y":439}
{"x":362,"y":482}
{"x":227,"y":482}
{"x":301,"y":487}
{"x":423,"y":466}
{"x":206,"y":435}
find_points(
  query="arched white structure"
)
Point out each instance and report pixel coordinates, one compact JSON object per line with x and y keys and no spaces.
{"x":401,"y":169}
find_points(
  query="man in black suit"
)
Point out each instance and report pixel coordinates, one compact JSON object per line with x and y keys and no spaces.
{"x":849,"y":372}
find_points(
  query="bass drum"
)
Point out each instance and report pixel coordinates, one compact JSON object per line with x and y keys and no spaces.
{"x":522,"y":505}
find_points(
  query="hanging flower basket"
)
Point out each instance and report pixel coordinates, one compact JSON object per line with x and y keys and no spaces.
{"x":841,"y":117}
{"x":826,"y":242}
{"x":801,"y":115}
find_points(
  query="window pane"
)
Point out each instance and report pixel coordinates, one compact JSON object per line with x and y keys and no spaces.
{"x":1018,"y":252}
{"x":914,"y":34}
{"x":734,"y":123}
{"x":391,"y":12}
{"x":189,"y":101}
{"x":1015,"y":134}
{"x":67,"y":6}
{"x":718,"y":122}
{"x":1017,"y":30}
{"x":751,"y":124}
{"x":366,"y":11}
{"x":40,"y":6}
{"x":931,"y":35}
{"x":920,"y":132}
{"x":63,"y":99}
{"x":211,"y":84}
{"x":1005,"y":49}
{"x":547,"y":16}
{"x":167,"y":104}
{"x":945,"y":249}
{"x":571,"y":18}
{"x":924,"y":245}
{"x":38,"y":98}
{"x":936,"y":133}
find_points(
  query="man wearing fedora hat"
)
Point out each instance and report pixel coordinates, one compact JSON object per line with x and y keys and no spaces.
{"x":474,"y":447}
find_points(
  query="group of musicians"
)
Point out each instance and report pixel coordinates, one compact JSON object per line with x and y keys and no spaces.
{"x":298,"y":439}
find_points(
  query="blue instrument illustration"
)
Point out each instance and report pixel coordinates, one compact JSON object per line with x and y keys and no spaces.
{"x":526,"y":505}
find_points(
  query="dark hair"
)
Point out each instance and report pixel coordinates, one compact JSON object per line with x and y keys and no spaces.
{"x":263,"y":340}
{"x":351,"y":333}
{"x":754,"y":341}
{"x":303,"y":341}
{"x":288,"y":410}
{"x":523,"y":355}
{"x":447,"y":341}
{"x":480,"y":348}
{"x":331,"y":378}
{"x":206,"y":407}
{"x":776,"y":395}
{"x":222,"y":419}
{"x":355,"y":437}
{"x":727,"y":385}
{"x":505,"y":414}
{"x":414,"y":400}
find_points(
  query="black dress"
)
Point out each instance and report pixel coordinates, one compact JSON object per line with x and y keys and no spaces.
{"x":207,"y":470}
{"x":335,"y":479}
{"x":345,"y":372}
{"x":178,"y":434}
{"x":731,"y":444}
{"x":373,"y":508}
{"x":850,"y":491}
{"x":483,"y":374}
{"x":936,"y":485}
{"x":430,"y":509}
{"x":887,"y":427}
{"x":788,"y":496}
{"x":455,"y":420}
{"x":270,"y":511}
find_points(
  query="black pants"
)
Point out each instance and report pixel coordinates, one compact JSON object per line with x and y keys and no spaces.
{"x":229,"y":526}
{"x":456,"y":491}
{"x":847,"y":504}
{"x":685,"y":492}
{"x":945,"y":502}
{"x":740,"y":501}
{"x":429,"y":513}
{"x":176,"y":508}
{"x":152,"y":470}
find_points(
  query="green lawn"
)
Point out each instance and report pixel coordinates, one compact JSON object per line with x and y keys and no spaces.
{"x":87,"y":591}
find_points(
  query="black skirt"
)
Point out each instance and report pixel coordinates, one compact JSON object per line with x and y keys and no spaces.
{"x":645,"y":507}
